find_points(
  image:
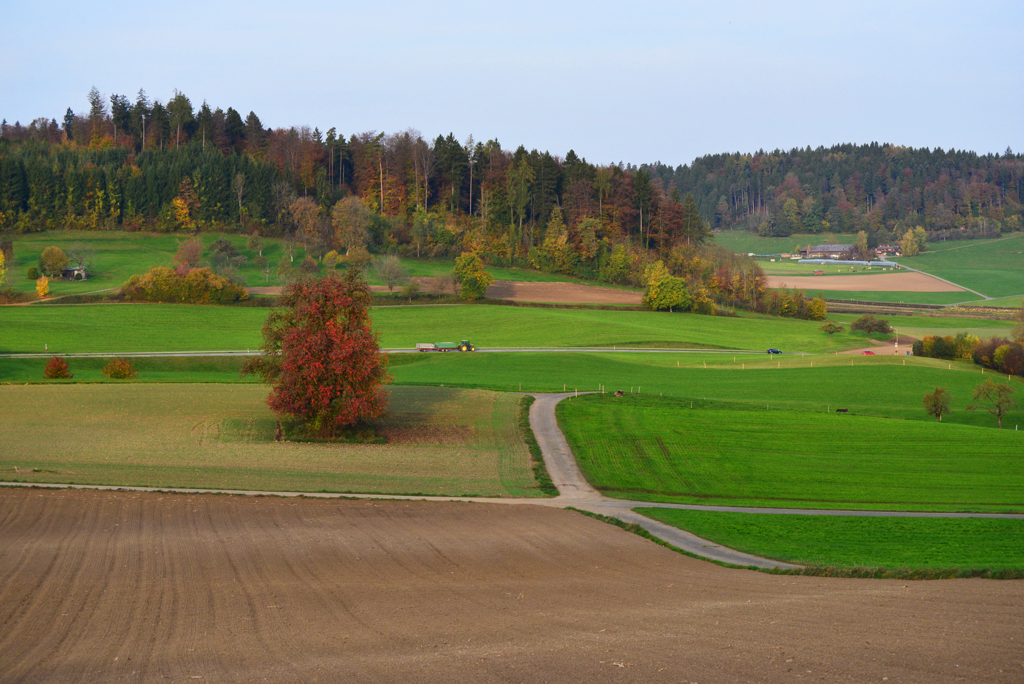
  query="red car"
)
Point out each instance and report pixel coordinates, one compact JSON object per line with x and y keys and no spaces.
{"x":868,"y":353}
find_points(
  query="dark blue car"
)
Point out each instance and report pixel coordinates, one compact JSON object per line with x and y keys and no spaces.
{"x":773,"y":350}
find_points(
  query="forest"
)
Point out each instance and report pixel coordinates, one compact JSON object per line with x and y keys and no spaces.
{"x":146,"y":165}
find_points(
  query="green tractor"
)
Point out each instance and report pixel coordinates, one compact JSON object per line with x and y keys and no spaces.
{"x":465,"y":345}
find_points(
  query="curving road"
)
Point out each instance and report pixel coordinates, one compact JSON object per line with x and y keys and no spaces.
{"x":575,"y":491}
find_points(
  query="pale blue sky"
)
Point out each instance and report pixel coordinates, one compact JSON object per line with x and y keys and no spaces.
{"x":638,"y":81}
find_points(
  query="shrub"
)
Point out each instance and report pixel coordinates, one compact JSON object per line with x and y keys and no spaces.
{"x":309,"y":266}
{"x":817,"y":310}
{"x":57,"y":369}
{"x":937,"y":347}
{"x":43,"y":286}
{"x":197,"y":286}
{"x":120,"y":369}
{"x":469,"y":273}
{"x":33,"y":273}
{"x":667,"y":293}
{"x":869,"y":324}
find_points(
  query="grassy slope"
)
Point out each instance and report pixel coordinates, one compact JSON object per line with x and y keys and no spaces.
{"x":658,"y":449}
{"x":125,"y":328}
{"x":145,"y":327}
{"x":868,"y":386}
{"x":744,"y":242}
{"x":119,"y":255}
{"x":217,"y":436}
{"x":845,"y":541}
{"x":120,"y":328}
{"x":994,"y":268}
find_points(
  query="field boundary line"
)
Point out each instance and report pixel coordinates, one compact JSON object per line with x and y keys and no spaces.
{"x":948,"y":282}
{"x":602,"y":505}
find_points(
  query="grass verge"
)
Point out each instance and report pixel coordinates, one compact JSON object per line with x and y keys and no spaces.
{"x":540,"y":471}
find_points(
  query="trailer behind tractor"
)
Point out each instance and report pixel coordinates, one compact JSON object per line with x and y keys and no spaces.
{"x":463,"y":346}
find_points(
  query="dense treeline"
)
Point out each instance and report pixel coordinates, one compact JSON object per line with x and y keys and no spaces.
{"x":849,"y":188}
{"x":145,"y":165}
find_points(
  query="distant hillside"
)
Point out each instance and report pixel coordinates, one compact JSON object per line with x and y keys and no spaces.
{"x":848,"y":188}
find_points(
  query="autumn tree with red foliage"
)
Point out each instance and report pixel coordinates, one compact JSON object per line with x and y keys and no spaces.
{"x":57,"y":369}
{"x":321,"y":356}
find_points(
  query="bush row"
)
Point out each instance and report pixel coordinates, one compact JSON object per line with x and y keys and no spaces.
{"x":187,"y":286}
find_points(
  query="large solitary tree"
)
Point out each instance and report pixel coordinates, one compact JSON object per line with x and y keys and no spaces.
{"x":321,"y":357}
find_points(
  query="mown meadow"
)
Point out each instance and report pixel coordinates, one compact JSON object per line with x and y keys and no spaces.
{"x":121,"y":328}
{"x":674,"y":450}
{"x":439,"y":441}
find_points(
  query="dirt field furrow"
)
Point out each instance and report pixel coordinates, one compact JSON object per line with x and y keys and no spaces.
{"x":147,"y":586}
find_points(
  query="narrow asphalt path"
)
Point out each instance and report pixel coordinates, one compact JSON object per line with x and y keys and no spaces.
{"x":575,"y":491}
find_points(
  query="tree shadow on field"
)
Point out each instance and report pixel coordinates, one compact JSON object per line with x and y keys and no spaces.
{"x":417,"y":415}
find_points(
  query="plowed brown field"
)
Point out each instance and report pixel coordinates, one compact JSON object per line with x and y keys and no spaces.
{"x":119,"y":586}
{"x":877,"y":282}
{"x":561,"y":293}
{"x":551,"y":293}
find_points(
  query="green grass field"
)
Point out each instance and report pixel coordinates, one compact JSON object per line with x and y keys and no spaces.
{"x":659,"y":449}
{"x":154,"y":327}
{"x":440,"y":441}
{"x":744,"y":242}
{"x":206,"y":369}
{"x":893,"y":297}
{"x":879,"y":386}
{"x":849,"y":542}
{"x":934,"y":324}
{"x":119,"y":255}
{"x":121,"y":328}
{"x":994,"y":268}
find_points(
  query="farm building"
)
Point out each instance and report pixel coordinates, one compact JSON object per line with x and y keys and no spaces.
{"x":888,"y":250}
{"x":76,"y":273}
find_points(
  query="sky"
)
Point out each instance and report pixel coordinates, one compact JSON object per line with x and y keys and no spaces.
{"x":635,"y":82}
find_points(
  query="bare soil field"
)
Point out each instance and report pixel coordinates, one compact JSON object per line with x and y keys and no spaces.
{"x":561,"y":293}
{"x":104,"y":586}
{"x":877,"y":282}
